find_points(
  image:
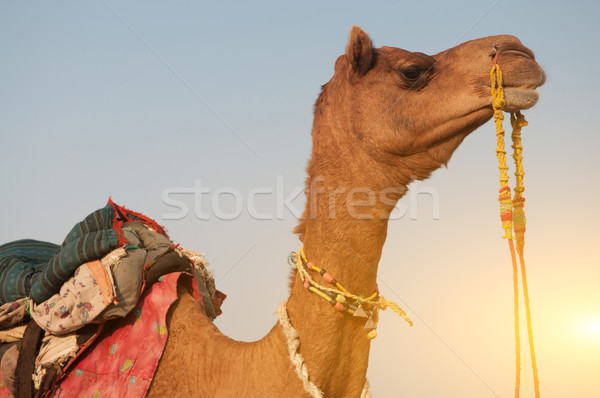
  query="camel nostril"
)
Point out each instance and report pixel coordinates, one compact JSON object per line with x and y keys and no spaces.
{"x":494,"y":52}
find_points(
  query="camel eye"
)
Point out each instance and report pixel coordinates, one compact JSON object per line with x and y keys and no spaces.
{"x":411,"y":73}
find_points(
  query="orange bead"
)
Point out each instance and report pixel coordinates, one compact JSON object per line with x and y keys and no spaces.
{"x":506,"y":216}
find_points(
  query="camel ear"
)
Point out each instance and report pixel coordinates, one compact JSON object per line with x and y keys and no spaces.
{"x":359,"y":51}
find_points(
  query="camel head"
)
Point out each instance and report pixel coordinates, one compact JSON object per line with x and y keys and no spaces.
{"x":408,"y":111}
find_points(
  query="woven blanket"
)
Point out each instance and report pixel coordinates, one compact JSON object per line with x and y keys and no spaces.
{"x":39,"y":269}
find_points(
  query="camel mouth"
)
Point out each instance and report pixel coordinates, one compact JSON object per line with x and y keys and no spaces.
{"x":518,"y":98}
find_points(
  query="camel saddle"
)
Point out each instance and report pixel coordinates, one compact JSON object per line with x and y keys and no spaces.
{"x":89,"y":316}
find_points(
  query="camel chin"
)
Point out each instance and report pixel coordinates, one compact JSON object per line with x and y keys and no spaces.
{"x":518,"y":98}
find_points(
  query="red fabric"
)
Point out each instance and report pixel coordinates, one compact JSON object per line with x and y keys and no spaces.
{"x":123,"y":361}
{"x":126,"y":213}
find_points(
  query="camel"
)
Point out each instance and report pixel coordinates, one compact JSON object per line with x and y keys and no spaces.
{"x":387,"y":117}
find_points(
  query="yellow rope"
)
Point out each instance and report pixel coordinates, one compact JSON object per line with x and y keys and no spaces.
{"x":376,"y":300}
{"x":504,"y":197}
{"x":384,"y":303}
{"x":517,"y":120}
{"x":340,"y":289}
{"x":512,"y":215}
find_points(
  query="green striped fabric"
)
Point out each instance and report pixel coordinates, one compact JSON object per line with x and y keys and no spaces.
{"x":19,"y":262}
{"x":38,"y":269}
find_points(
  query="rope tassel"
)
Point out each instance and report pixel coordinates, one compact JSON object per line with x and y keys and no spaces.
{"x":512,"y":215}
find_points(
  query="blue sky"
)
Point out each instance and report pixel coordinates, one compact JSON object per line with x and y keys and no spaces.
{"x":140,"y":98}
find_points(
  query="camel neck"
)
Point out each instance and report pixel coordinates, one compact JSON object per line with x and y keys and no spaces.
{"x":345,"y":229}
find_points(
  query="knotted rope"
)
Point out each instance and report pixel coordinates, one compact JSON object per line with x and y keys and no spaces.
{"x":512,"y":215}
{"x":293,"y":344}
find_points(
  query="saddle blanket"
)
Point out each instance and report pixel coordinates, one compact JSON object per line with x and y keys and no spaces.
{"x":121,"y":361}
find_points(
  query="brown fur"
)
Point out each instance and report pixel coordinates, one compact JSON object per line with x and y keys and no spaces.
{"x":387,"y":117}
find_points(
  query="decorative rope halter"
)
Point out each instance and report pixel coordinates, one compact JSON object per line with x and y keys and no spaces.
{"x":340,"y":299}
{"x":512,"y":215}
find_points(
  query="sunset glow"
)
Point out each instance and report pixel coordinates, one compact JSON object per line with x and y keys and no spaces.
{"x":590,"y":328}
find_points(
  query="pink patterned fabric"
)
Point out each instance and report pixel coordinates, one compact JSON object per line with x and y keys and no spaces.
{"x":123,"y":361}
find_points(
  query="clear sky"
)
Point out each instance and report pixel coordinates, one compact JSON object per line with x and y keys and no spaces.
{"x":144,"y":99}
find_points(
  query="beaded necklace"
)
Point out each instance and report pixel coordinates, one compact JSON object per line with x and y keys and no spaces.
{"x":340,"y":298}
